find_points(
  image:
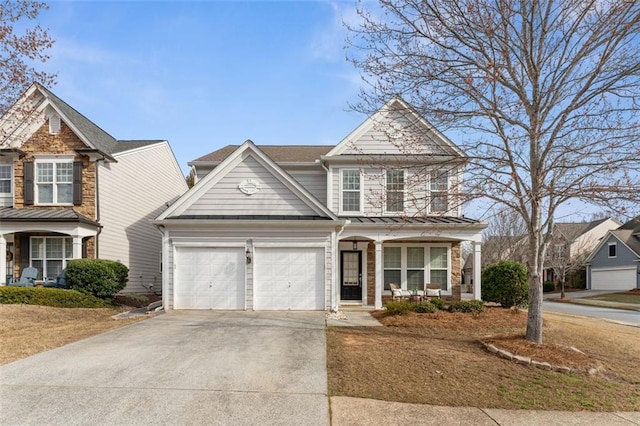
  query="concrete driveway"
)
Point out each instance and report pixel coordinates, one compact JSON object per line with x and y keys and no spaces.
{"x":183,"y":367}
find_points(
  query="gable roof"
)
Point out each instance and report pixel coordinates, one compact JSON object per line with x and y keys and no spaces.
{"x":227,"y":165}
{"x":278,"y":153}
{"x":398,"y":104}
{"x":122,"y":146}
{"x":633,"y":224}
{"x":627,"y":237}
{"x":574,"y":230}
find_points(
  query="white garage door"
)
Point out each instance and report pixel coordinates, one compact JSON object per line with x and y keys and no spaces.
{"x":613,"y":279}
{"x":209,"y":278}
{"x":289,"y":278}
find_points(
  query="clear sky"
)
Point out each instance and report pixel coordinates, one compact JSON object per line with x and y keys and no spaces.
{"x":206,"y":74}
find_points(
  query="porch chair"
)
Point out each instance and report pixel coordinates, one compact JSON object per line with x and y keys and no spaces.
{"x":28,"y":277}
{"x":398,"y":293}
{"x":433,"y":290}
{"x":57,"y":282}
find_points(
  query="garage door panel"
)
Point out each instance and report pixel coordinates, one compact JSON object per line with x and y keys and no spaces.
{"x":613,"y":279}
{"x":289,"y":278}
{"x":209,"y":278}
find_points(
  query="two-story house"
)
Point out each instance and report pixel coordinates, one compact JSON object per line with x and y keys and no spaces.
{"x":70,"y":190}
{"x":314,"y":227}
{"x":614,"y":264}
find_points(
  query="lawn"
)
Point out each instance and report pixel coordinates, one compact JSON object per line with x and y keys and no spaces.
{"x":28,"y":329}
{"x":627,"y":297}
{"x":437,"y":359}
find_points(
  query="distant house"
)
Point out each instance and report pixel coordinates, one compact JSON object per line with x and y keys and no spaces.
{"x":614,"y":264}
{"x":70,"y":190}
{"x":572,"y":242}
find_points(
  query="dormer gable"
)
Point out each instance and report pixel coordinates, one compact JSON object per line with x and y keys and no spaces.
{"x":396,"y":129}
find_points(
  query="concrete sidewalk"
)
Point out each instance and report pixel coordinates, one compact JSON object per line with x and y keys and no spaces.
{"x":347,"y":411}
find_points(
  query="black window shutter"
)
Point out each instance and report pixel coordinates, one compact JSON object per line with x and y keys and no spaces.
{"x":24,"y":251}
{"x":28,"y":183}
{"x":77,"y":183}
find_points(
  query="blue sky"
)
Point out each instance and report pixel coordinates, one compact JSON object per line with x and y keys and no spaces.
{"x":206,"y":74}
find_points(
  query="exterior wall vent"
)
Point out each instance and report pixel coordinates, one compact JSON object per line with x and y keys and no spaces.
{"x":54,"y":124}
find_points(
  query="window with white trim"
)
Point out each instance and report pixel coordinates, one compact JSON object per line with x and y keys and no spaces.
{"x":395,"y":191}
{"x":54,"y":182}
{"x":392,"y":261}
{"x":5,"y":179}
{"x":411,"y":266}
{"x":439,"y":191}
{"x":612,"y":250}
{"x":50,"y":254}
{"x":351,"y":187}
{"x":439,"y":266}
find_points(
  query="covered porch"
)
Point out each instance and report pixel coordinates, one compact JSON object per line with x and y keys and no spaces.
{"x":372,"y":253}
{"x":45,"y":239}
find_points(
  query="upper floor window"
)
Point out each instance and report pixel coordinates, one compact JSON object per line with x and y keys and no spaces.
{"x":395,"y":191}
{"x":559,"y":250}
{"x":54,"y":182}
{"x":351,"y":190}
{"x":439,"y":191}
{"x":5,"y":178}
{"x":612,"y":249}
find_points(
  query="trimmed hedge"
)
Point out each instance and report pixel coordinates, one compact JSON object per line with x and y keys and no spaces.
{"x":99,"y":277}
{"x":505,"y":282}
{"x":425,"y":308}
{"x":399,"y":307}
{"x":54,"y":297}
{"x":548,"y":286}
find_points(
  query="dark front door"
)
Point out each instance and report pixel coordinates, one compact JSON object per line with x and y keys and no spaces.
{"x":351,"y":275}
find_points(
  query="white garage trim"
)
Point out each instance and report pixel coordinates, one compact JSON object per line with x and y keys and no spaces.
{"x":613,"y":278}
{"x":209,"y":278}
{"x":319,"y":244}
{"x":291,"y":277}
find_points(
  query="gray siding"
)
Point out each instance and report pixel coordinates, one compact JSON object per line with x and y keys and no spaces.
{"x":273,"y":198}
{"x":313,"y":181}
{"x":132,"y":192}
{"x":624,"y":256}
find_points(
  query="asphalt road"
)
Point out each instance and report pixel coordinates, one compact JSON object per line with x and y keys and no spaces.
{"x":618,"y":315}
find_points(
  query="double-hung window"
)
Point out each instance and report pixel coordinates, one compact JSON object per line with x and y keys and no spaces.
{"x":439,"y":190}
{"x":54,"y":182}
{"x":395,"y":191}
{"x":5,"y":179}
{"x":392,"y":266}
{"x":411,"y":266}
{"x":50,"y":254}
{"x":438,"y":266}
{"x":351,"y":190}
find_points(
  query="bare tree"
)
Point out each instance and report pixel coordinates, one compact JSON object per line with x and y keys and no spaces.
{"x":568,"y":250}
{"x":20,"y":47}
{"x":504,"y":238}
{"x":544,"y":93}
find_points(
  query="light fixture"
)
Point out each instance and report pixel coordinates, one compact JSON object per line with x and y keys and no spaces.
{"x":355,"y":245}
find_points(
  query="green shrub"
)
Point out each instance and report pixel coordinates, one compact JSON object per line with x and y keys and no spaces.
{"x":437,"y":302}
{"x":548,"y":286}
{"x":399,"y":307}
{"x":505,"y":282}
{"x":467,"y":306}
{"x":99,"y":277}
{"x":425,"y":308}
{"x":57,"y":298}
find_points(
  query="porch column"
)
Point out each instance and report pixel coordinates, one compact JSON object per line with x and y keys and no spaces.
{"x":77,"y":247}
{"x":477,"y":285}
{"x":3,"y":260}
{"x":379,"y":275}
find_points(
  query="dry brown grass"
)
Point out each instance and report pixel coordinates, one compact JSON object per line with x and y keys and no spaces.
{"x":27,"y":329}
{"x":437,"y":359}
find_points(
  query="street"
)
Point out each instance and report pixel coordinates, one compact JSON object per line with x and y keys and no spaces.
{"x":618,"y":315}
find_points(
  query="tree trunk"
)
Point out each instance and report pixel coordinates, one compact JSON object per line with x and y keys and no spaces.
{"x":534,"y":315}
{"x":562,"y":289}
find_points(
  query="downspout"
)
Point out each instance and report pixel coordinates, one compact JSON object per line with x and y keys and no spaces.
{"x":97,"y":203}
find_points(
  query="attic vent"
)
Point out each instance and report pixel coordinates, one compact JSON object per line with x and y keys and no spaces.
{"x":54,"y":124}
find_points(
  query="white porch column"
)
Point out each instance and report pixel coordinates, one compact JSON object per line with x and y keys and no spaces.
{"x":477,"y":285}
{"x":379,"y":275}
{"x":77,"y":247}
{"x":3,"y":260}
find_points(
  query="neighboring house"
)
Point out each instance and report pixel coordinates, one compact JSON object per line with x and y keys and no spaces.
{"x":69,"y":190}
{"x":614,"y":264}
{"x":314,"y":227}
{"x":572,"y":243}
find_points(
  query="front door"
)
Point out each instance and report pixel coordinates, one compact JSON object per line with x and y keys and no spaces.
{"x":351,"y":275}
